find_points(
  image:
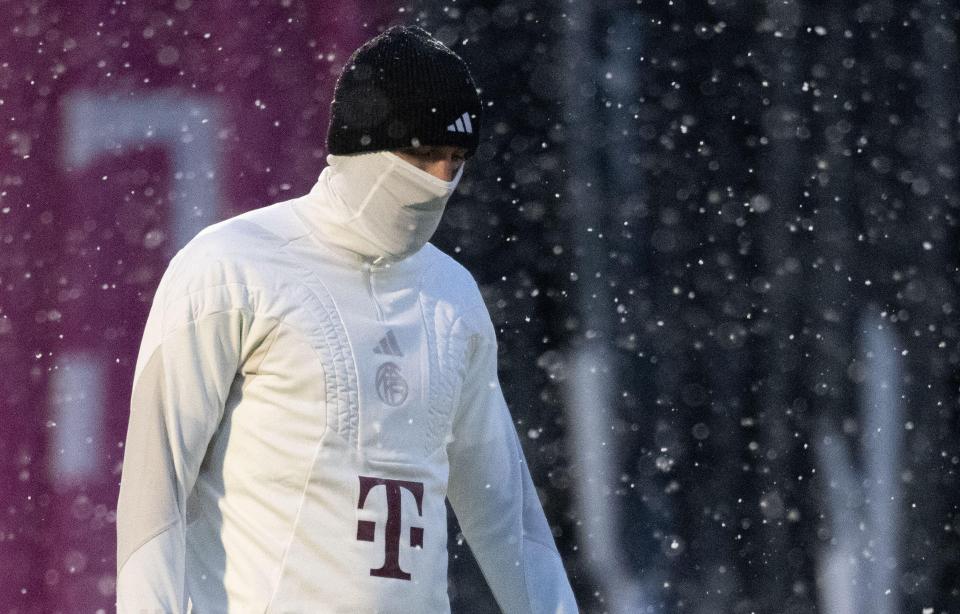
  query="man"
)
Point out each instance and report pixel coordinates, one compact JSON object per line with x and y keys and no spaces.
{"x":315,"y":379}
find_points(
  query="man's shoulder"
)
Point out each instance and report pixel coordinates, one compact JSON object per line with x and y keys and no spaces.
{"x":275,"y":223}
{"x":242,"y":250}
{"x":449,"y":281}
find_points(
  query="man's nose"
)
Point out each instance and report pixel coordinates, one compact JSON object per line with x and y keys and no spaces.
{"x":445,"y":169}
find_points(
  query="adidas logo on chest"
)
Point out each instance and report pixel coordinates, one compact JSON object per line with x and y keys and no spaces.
{"x":388,"y":345}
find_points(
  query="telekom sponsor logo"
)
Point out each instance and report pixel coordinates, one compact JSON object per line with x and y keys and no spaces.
{"x":366,"y":528}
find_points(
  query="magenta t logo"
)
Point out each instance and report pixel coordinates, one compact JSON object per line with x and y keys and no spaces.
{"x":365,"y":528}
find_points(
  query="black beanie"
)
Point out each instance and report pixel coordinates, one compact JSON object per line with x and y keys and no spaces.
{"x":401,"y":89}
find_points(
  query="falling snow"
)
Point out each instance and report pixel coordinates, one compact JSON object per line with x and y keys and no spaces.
{"x":718,"y":239}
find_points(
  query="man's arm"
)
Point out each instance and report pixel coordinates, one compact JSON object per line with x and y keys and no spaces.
{"x":494,"y":498}
{"x":189,"y":355}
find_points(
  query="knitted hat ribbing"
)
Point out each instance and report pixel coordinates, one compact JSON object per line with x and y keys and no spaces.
{"x":400,"y":89}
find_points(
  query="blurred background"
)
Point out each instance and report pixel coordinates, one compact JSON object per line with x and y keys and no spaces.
{"x":719,"y":240}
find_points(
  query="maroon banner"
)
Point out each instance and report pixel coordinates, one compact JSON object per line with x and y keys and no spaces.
{"x":126,"y":127}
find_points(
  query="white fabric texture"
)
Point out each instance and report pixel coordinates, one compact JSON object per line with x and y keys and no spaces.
{"x":382,"y":205}
{"x":303,"y":404}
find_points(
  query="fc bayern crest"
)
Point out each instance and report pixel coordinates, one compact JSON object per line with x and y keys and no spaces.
{"x":391,"y":387}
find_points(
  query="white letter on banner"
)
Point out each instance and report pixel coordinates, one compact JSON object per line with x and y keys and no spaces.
{"x":186,"y":126}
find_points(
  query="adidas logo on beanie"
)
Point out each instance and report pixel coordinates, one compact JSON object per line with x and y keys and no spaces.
{"x":463,"y":124}
{"x":401,"y":89}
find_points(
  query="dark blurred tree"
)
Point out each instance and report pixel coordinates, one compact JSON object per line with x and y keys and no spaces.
{"x":720,"y":198}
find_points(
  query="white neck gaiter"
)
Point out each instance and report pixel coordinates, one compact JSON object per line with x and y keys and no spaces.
{"x":379,"y":205}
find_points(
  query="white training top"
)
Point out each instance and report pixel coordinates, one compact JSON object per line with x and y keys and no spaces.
{"x":299,"y":416}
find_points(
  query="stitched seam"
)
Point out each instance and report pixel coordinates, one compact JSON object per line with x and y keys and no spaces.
{"x":369,"y":196}
{"x":285,"y":243}
{"x":526,"y":564}
{"x":285,"y":240}
{"x":455,"y":414}
{"x":457,"y":391}
{"x":541,"y":543}
{"x":170,"y":299}
{"x":345,"y":348}
{"x":210,"y":313}
{"x":303,"y":497}
{"x":439,"y":383}
{"x":431,"y":339}
{"x":273,"y":339}
{"x":146,"y":540}
{"x":523,"y":535}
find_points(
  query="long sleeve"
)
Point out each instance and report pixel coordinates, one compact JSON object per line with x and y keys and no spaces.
{"x":494,"y":498}
{"x":189,"y":356}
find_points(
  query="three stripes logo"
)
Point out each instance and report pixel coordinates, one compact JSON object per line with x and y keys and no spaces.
{"x":461,"y":125}
{"x":388,"y":345}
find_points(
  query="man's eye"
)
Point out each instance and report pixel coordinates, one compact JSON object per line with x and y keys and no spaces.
{"x":419,"y":152}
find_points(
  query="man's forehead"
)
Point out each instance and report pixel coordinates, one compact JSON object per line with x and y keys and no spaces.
{"x":424,"y":149}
